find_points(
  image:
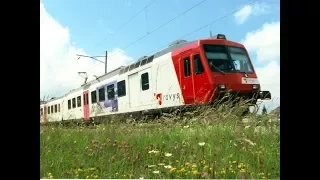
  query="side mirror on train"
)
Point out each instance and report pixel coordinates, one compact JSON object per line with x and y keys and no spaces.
{"x":265,"y":95}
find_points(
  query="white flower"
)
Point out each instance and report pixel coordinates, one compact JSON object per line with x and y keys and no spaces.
{"x":168,"y":167}
{"x":156,"y":172}
{"x":153,"y":151}
{"x":185,"y":126}
{"x":151,"y":166}
{"x":161,"y":164}
{"x":168,"y":154}
{"x":201,"y":143}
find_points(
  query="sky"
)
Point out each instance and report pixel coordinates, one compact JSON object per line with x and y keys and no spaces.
{"x":130,"y":29}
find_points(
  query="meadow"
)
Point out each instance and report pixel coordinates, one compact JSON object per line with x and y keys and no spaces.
{"x":212,"y":144}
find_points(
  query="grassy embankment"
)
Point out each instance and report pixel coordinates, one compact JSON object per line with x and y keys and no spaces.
{"x":209,"y":145}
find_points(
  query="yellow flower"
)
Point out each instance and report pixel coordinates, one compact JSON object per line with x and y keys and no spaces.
{"x":182,"y":170}
{"x":79,"y":169}
{"x":187,"y":163}
{"x":195,"y":172}
{"x":242,"y":170}
{"x":206,"y":167}
{"x":172,"y":169}
{"x":194,"y":165}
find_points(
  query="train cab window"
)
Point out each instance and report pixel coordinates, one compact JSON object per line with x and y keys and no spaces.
{"x":73,"y":102}
{"x":69,"y":104}
{"x":102,"y":96}
{"x":58,"y":107}
{"x":110,"y":90}
{"x":187,"y":71}
{"x":145,"y":81}
{"x":51,"y":109}
{"x":79,"y":101}
{"x":48,"y":109}
{"x":55,"y":108}
{"x":198,"y":67}
{"x":121,"y":88}
{"x":94,"y":96}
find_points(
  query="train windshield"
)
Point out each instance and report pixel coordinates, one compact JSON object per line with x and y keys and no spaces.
{"x":227,"y":59}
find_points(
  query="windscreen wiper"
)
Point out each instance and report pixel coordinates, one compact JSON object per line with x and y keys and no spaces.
{"x":218,"y":69}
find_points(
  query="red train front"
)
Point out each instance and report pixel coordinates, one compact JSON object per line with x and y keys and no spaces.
{"x":210,"y":68}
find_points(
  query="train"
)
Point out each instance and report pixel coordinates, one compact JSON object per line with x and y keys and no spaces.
{"x":186,"y":73}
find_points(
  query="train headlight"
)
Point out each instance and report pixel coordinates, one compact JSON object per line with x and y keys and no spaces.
{"x":222,"y":86}
{"x":255,"y":86}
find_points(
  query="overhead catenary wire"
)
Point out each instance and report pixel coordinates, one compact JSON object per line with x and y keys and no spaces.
{"x":212,"y":22}
{"x":125,"y":23}
{"x":222,"y":17}
{"x":149,"y":33}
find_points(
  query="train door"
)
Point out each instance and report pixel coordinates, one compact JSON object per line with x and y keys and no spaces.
{"x":145,"y":87}
{"x":187,"y":81}
{"x":134,"y":89}
{"x":199,"y":78}
{"x":86,"y":111}
{"x":45,"y":114}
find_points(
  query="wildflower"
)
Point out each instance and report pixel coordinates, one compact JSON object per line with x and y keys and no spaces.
{"x":79,"y":169}
{"x":150,"y":166}
{"x":168,"y":167}
{"x":50,"y":176}
{"x":234,"y":162}
{"x":241,"y":166}
{"x":242,"y":170}
{"x":206,"y":167}
{"x":161,"y":164}
{"x":223,"y":171}
{"x":201,"y":143}
{"x":92,"y":169}
{"x":185,"y":126}
{"x":182,"y":170}
{"x":141,"y":178}
{"x":153,"y":151}
{"x":195,"y":172}
{"x":168,"y":154}
{"x":156,"y":172}
{"x":187,"y":163}
{"x":194,"y":165}
{"x":172,"y":169}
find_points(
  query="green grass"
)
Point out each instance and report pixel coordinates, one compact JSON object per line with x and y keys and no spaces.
{"x":169,"y":149}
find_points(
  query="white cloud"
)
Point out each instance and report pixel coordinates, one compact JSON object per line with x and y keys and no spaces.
{"x":265,"y":42}
{"x":58,"y":61}
{"x":269,"y":77}
{"x":255,"y":9}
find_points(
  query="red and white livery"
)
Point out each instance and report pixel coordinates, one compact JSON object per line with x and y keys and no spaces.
{"x":185,"y":73}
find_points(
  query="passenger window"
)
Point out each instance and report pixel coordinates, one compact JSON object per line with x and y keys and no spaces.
{"x":145,"y":81}
{"x":121,"y":88}
{"x":110,"y":90}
